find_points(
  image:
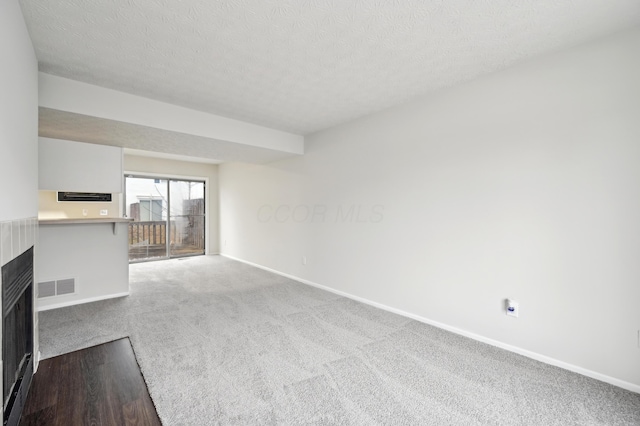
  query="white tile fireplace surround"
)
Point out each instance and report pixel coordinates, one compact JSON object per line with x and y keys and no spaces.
{"x":16,"y":237}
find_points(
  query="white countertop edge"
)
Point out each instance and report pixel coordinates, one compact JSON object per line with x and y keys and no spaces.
{"x":81,"y":221}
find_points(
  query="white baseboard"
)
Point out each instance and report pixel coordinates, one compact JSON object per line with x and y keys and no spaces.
{"x":529,"y":354}
{"x":81,"y":301}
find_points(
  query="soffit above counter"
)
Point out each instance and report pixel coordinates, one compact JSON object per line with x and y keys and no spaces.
{"x":70,"y":126}
{"x":81,"y":112}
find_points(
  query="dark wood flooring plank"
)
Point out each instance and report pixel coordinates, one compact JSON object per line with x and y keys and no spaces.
{"x":137,"y":414}
{"x":125,"y":368}
{"x":101,"y":385}
{"x":46,"y":416}
{"x":68,"y":379}
{"x":40,"y":397}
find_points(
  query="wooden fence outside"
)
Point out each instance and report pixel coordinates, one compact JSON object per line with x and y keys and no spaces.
{"x":148,"y":233}
{"x":154,"y":233}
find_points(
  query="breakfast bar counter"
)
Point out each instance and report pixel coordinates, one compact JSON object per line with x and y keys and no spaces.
{"x":90,"y":255}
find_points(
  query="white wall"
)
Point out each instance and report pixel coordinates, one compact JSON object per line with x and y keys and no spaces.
{"x":79,"y":167}
{"x":521,"y":184}
{"x":173,"y":168}
{"x":50,"y":208}
{"x":95,"y":256}
{"x":18,"y":116}
{"x":18,"y":139}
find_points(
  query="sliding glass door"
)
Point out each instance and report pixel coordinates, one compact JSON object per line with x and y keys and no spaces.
{"x":186,"y":217}
{"x":169,"y":217}
{"x":146,"y":201}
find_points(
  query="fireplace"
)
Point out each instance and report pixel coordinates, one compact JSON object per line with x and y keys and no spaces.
{"x":17,"y":334}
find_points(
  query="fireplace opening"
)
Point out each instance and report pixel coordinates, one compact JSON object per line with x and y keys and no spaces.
{"x":17,"y":334}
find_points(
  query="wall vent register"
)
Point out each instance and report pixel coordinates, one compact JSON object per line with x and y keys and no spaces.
{"x":56,"y":288}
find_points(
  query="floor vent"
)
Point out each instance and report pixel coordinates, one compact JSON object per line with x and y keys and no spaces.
{"x":56,"y":288}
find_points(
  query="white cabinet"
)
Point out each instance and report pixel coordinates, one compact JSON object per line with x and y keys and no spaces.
{"x":79,"y":167}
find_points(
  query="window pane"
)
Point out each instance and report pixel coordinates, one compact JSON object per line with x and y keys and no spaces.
{"x":187,"y":218}
{"x":147,"y":205}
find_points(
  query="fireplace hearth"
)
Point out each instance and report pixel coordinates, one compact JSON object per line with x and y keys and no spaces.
{"x":17,"y":334}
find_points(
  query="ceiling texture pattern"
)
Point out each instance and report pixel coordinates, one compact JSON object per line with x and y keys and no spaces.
{"x":300,"y":65}
{"x":304,"y":65}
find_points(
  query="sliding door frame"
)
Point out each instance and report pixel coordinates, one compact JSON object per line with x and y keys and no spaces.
{"x":166,"y":176}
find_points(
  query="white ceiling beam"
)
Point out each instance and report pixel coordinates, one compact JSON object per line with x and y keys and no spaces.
{"x":81,"y":98}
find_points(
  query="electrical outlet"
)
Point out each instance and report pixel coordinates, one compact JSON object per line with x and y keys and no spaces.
{"x":638,"y":339}
{"x":304,"y":260}
{"x":85,"y":212}
{"x":104,"y":212}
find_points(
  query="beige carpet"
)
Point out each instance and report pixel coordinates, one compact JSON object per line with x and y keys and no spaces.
{"x":220,"y":342}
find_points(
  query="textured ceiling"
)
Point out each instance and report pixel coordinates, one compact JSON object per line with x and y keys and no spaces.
{"x":303,"y":65}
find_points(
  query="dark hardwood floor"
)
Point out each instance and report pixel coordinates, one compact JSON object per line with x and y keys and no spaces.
{"x":101,"y":385}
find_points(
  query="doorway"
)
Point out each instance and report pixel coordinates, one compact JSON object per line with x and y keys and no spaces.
{"x":168,"y":217}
